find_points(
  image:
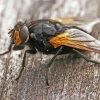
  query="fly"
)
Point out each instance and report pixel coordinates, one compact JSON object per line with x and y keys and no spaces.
{"x":52,"y":36}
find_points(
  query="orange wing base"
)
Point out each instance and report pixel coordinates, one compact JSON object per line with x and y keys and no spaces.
{"x":64,"y":39}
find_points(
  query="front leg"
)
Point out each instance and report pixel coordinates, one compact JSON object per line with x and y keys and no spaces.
{"x":9,"y":49}
{"x":23,"y":62}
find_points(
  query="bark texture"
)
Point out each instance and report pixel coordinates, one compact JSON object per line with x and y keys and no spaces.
{"x":71,"y":78}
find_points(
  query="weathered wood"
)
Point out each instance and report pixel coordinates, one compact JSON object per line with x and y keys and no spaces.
{"x":71,"y":78}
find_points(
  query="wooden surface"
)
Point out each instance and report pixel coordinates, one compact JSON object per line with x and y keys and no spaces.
{"x":70,"y":78}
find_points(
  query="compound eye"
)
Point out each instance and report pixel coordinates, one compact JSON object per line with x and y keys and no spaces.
{"x":24,"y":34}
{"x":21,"y":35}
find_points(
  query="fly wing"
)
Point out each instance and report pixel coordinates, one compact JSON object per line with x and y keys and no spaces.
{"x":72,"y":20}
{"x":78,"y":39}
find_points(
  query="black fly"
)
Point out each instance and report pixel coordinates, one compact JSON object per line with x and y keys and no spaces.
{"x":51,"y":36}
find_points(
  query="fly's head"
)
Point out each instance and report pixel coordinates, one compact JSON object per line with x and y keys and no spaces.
{"x":19,"y":34}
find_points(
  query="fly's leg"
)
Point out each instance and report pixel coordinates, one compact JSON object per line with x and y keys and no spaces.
{"x":9,"y":49}
{"x":83,"y":56}
{"x":49,"y":64}
{"x":23,"y":62}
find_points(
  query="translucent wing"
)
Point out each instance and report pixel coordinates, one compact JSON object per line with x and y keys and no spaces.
{"x":78,"y":39}
{"x":72,"y":20}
